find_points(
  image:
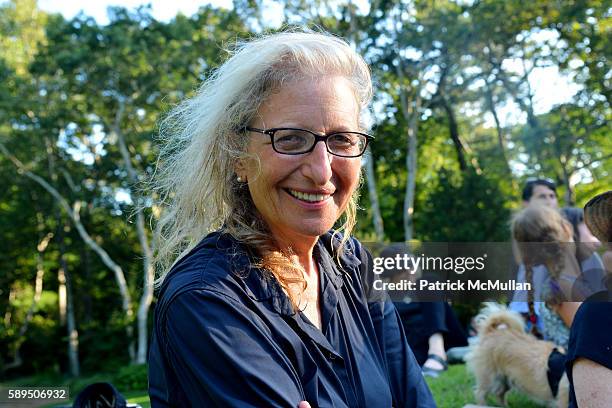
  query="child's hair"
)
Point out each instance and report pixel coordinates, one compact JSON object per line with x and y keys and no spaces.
{"x":542,"y":236}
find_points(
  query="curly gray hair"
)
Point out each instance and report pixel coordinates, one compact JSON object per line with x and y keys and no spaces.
{"x":195,"y":177}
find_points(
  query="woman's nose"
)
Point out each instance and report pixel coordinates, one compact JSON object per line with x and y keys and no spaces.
{"x":318,"y":164}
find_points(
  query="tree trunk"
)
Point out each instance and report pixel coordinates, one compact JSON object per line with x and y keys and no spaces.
{"x":371,"y":179}
{"x":411,"y":167}
{"x":569,"y":192}
{"x":86,"y":295}
{"x":61,"y":296}
{"x":73,"y":334}
{"x":377,"y":219}
{"x":8,"y":314}
{"x":411,"y":113}
{"x":454,"y":133}
{"x":146,"y":250}
{"x":500,"y":135}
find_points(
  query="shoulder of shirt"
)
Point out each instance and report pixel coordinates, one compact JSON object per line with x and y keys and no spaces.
{"x":212,"y":266}
{"x":220,"y":267}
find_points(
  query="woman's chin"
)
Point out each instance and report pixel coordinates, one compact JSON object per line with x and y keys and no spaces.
{"x":311,"y":229}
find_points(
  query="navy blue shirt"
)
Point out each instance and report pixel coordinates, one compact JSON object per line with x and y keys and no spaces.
{"x":226,"y":335}
{"x":590,"y":336}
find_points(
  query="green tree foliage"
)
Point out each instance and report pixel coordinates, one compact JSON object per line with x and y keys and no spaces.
{"x":465,"y":207}
{"x":21,"y":33}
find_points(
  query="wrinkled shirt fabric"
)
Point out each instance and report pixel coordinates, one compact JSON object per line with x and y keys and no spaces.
{"x":226,"y":335}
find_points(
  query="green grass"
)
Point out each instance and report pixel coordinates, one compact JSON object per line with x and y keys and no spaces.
{"x":139,"y":397}
{"x":455,"y":388}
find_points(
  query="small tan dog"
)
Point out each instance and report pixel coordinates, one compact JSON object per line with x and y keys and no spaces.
{"x":506,"y":357}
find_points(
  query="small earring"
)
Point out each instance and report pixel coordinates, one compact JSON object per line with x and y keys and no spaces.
{"x":239,"y":179}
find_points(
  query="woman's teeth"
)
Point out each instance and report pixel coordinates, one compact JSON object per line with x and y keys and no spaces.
{"x":311,"y":198}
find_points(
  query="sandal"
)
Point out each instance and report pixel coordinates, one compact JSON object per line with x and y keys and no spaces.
{"x":435,"y":372}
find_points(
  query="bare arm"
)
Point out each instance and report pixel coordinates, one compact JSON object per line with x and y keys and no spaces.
{"x":567,"y":311}
{"x":592,"y":384}
{"x":607,"y":261}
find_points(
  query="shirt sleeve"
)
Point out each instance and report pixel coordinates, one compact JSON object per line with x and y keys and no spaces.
{"x":223,"y":355}
{"x":408,"y":385}
{"x":589,"y":337}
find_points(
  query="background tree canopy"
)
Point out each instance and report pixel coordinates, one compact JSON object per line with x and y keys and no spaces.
{"x":80,"y":103}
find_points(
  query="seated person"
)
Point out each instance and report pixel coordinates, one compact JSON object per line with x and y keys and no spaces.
{"x":537,"y":191}
{"x":591,"y":267}
{"x":589,"y":356}
{"x":545,"y":238}
{"x":432,"y":327}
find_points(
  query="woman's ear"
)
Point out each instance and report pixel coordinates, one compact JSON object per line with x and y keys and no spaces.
{"x":240,"y":169}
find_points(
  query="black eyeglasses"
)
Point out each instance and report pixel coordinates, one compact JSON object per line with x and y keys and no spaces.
{"x":299,"y":141}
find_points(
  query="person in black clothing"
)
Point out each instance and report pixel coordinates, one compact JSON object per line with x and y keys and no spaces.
{"x":261,"y":303}
{"x":589,"y":357}
{"x":431,"y":327}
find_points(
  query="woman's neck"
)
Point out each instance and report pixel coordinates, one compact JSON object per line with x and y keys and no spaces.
{"x":301,"y":249}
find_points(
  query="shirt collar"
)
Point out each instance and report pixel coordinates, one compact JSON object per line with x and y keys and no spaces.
{"x":260,"y":286}
{"x":331,"y":242}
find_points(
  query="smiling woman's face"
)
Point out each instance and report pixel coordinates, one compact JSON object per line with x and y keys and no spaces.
{"x":303,"y":195}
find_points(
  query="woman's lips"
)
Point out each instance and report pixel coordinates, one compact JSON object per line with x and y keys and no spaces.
{"x":308,"y":197}
{"x":311,"y":200}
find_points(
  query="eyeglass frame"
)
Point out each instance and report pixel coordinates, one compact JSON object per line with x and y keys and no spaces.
{"x":318,"y":138}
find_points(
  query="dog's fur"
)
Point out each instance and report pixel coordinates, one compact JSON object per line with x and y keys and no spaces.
{"x":506,"y":357}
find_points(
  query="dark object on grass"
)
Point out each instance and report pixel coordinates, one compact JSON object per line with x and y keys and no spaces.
{"x":101,"y":395}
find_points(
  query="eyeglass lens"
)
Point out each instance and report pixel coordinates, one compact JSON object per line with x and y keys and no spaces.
{"x":292,"y":141}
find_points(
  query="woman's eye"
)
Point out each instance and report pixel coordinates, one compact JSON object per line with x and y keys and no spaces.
{"x":342,"y":141}
{"x":290,"y":141}
{"x":345,"y":139}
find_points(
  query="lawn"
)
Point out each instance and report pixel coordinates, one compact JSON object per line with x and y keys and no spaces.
{"x":453,"y":389}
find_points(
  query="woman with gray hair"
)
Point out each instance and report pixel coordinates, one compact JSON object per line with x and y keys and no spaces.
{"x":261,"y":303}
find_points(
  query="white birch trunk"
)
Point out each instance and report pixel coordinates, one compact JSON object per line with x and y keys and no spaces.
{"x":371,"y":179}
{"x":73,"y":334}
{"x":147,"y":252}
{"x":411,"y":113}
{"x":377,"y":219}
{"x":61,"y":296}
{"x":411,"y":169}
